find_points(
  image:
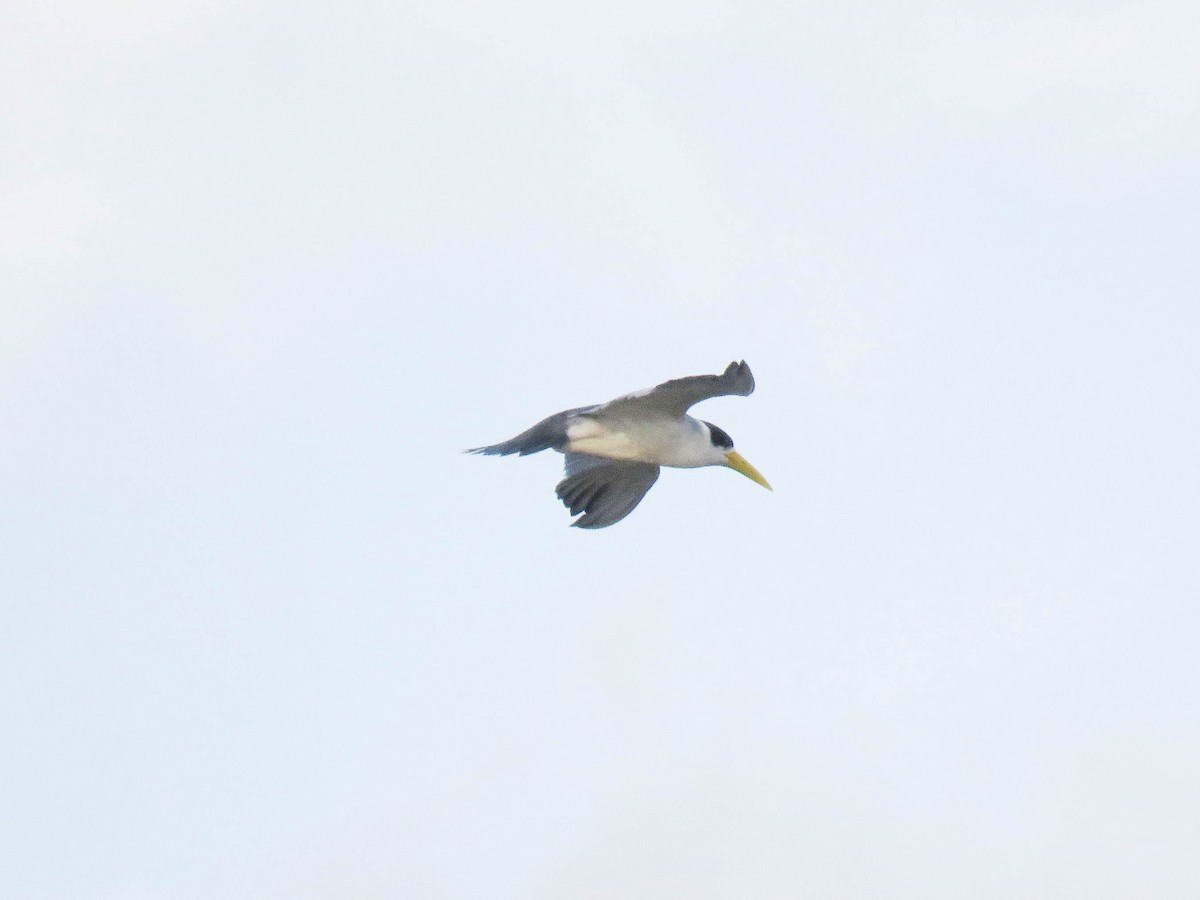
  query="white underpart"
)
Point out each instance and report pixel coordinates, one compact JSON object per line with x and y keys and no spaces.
{"x":680,"y":442}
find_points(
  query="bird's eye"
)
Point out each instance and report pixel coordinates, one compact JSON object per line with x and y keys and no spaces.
{"x":719,"y":437}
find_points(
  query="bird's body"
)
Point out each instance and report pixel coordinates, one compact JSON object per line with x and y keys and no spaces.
{"x":679,"y":442}
{"x":614,"y":450}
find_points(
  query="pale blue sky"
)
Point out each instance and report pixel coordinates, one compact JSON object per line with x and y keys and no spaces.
{"x":265,"y":268}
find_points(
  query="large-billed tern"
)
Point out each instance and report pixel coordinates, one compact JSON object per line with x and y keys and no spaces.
{"x":614,"y":450}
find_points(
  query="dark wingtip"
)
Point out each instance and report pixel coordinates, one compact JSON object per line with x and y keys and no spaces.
{"x":582,"y":522}
{"x":491,"y":450}
{"x":739,"y":371}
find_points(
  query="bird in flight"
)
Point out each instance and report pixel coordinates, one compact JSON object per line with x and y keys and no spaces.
{"x":614,"y":450}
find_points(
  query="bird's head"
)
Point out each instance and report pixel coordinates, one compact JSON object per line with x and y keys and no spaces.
{"x":725,"y":455}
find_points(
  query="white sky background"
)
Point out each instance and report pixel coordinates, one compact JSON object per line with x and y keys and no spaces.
{"x":266,"y":269}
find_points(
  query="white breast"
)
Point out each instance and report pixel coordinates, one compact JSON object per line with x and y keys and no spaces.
{"x":681,"y":442}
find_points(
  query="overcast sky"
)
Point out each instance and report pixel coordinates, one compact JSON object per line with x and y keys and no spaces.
{"x":266,"y":268}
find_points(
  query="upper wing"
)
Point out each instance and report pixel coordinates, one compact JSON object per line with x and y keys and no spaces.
{"x":604,"y":490}
{"x":677,"y":396}
{"x":549,"y":433}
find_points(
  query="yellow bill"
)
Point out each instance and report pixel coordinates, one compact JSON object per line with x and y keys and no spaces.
{"x":738,"y":463}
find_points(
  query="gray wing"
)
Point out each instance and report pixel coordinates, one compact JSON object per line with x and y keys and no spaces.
{"x":549,"y":433}
{"x":677,"y":396}
{"x":604,"y":490}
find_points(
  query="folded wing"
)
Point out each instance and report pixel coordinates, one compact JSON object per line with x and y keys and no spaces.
{"x":604,"y":490}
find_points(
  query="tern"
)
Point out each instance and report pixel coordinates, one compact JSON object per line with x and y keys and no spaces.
{"x":614,"y":450}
